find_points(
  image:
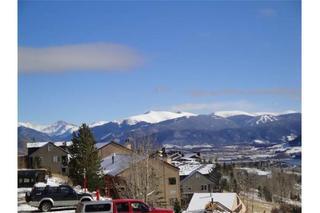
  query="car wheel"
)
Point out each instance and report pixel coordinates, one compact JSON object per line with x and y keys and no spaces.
{"x":45,"y":206}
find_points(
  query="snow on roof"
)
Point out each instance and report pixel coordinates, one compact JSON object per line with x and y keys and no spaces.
{"x":121,"y":162}
{"x":186,"y":169}
{"x":41,"y":144}
{"x":206,"y":168}
{"x":101,"y":144}
{"x":200,"y":200}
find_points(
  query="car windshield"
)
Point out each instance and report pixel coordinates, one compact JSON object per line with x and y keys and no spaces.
{"x":139,"y":207}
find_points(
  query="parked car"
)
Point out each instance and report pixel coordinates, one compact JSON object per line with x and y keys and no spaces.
{"x":44,"y":197}
{"x":136,"y":206}
{"x":104,"y":206}
{"x":119,"y":206}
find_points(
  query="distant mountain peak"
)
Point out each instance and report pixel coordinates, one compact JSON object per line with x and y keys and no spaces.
{"x":156,"y":117}
{"x":227,"y":114}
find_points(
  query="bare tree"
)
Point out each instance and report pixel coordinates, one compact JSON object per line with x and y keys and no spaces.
{"x":143,"y":176}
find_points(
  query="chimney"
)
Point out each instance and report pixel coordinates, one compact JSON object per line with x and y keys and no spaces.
{"x":168,"y":160}
{"x":113,"y":157}
{"x":127,"y":144}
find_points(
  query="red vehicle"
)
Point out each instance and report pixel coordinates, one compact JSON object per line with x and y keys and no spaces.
{"x":135,"y":206}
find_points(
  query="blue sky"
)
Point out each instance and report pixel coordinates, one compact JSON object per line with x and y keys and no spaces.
{"x":82,"y":61}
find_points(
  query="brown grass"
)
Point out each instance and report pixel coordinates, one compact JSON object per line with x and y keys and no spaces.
{"x":258,"y":205}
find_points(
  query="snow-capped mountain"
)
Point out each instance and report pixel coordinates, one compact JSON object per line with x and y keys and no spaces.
{"x":60,"y":128}
{"x":32,"y":126}
{"x":155,"y":117}
{"x":55,"y":129}
{"x":180,"y":128}
{"x":98,"y":123}
{"x":227,"y":114}
{"x":262,"y":119}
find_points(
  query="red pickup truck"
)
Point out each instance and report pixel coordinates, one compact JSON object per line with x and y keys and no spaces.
{"x":135,"y":206}
{"x":118,"y":206}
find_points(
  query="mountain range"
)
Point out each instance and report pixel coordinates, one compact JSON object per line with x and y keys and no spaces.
{"x":179,"y":128}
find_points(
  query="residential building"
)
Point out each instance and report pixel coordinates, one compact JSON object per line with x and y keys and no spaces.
{"x":216,"y":202}
{"x":22,"y":161}
{"x":195,"y":183}
{"x":51,"y":157}
{"x":108,"y":148}
{"x":117,"y":164}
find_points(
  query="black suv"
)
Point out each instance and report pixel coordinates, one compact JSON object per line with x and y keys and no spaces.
{"x":45,"y":197}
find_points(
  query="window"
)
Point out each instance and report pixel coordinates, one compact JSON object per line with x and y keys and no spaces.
{"x":51,"y":190}
{"x":172,"y":181}
{"x":203,"y":187}
{"x":55,"y":159}
{"x":49,"y":147}
{"x":122,"y":207}
{"x":63,"y":169}
{"x":64,"y":190}
{"x":26,"y":180}
{"x":139,"y":207}
{"x":64,"y":160}
{"x":98,"y":207}
{"x":20,"y":180}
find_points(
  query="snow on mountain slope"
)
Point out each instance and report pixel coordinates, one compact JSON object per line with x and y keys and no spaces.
{"x":227,"y":114}
{"x":59,"y":128}
{"x":32,"y":126}
{"x":156,"y":117}
{"x":266,"y":118}
{"x":98,"y":123}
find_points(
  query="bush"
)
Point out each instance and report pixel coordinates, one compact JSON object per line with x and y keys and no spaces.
{"x":286,"y":208}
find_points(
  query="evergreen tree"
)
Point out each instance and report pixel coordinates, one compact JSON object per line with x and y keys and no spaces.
{"x":85,"y":159}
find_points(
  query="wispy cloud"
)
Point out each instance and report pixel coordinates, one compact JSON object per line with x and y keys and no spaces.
{"x":214,"y":106}
{"x":288,"y":92}
{"x":161,"y":89}
{"x":88,"y":57}
{"x":267,"y":12}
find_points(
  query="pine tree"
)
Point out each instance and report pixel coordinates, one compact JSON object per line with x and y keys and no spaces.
{"x":85,"y":159}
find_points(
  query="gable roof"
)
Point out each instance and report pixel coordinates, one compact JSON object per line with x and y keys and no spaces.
{"x":103,"y":145}
{"x":41,"y":144}
{"x":200,"y":200}
{"x":46,"y":144}
{"x":192,"y":174}
{"x":120,"y":163}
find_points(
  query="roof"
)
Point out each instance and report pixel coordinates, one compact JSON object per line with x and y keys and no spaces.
{"x":63,"y":150}
{"x":101,"y":144}
{"x":121,"y":163}
{"x":200,"y":200}
{"x":104,"y":144}
{"x":191,"y":174}
{"x":41,"y":144}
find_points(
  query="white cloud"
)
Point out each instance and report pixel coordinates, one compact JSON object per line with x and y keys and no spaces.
{"x":88,"y":57}
{"x":268,"y":12}
{"x":294,"y":93}
{"x":214,"y":106}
